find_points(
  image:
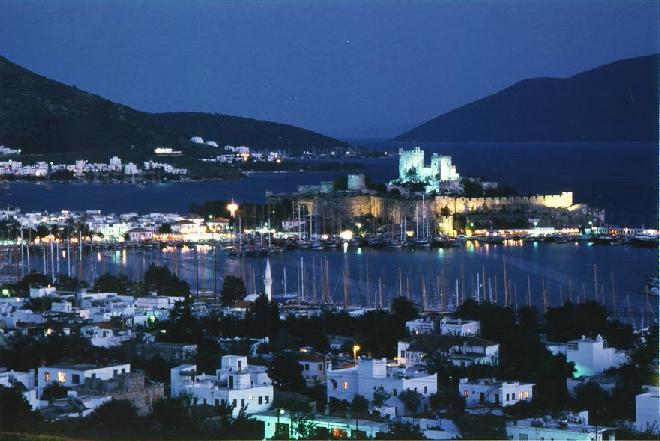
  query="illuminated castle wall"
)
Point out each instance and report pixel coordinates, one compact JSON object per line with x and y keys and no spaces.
{"x":412,"y":169}
{"x":392,"y":209}
{"x":465,"y":205}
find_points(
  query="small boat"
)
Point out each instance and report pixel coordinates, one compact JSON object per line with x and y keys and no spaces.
{"x":420,"y":243}
{"x":393,"y":244}
{"x":603,"y":240}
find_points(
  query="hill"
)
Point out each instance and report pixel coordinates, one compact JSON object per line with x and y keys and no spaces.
{"x":236,"y":130}
{"x":42,"y":116}
{"x":614,"y":102}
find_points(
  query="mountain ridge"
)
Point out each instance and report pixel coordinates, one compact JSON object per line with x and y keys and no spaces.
{"x":609,"y":103}
{"x":40,"y":115}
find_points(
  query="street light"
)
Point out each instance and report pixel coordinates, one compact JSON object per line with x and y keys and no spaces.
{"x":356,"y":349}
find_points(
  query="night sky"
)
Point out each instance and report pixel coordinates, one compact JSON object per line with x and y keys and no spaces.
{"x":356,"y":69}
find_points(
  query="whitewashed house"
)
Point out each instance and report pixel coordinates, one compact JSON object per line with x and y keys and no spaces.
{"x":460,"y":327}
{"x":71,"y":375}
{"x":572,"y":427}
{"x":460,"y":351}
{"x":314,"y":367}
{"x":103,"y":337}
{"x":494,"y":392}
{"x":591,"y":356}
{"x":371,"y":374}
{"x":234,"y":383}
{"x":11,"y":378}
{"x":42,"y":291}
{"x":419,"y":326}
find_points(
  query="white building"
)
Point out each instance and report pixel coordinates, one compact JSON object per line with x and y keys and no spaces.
{"x":131,"y":169}
{"x":314,"y":367}
{"x":573,"y":427}
{"x":42,"y":291}
{"x":235,"y":383}
{"x":12,"y":378}
{"x":197,"y":140}
{"x":647,"y":410}
{"x":457,"y":326}
{"x":370,"y":374}
{"x":71,"y":375}
{"x":491,"y":391}
{"x":115,"y":164}
{"x":105,"y":338}
{"x":460,"y":351}
{"x":419,"y":326}
{"x":592,"y":356}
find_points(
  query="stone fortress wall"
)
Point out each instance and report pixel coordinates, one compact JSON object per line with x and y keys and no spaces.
{"x":391,"y":209}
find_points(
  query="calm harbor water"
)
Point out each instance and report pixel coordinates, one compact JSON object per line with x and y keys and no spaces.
{"x":621,"y":178}
{"x":567,"y":270}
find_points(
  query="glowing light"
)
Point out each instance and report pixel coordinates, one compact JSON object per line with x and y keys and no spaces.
{"x":346,"y":235}
{"x":232,"y":207}
{"x":356,"y":349}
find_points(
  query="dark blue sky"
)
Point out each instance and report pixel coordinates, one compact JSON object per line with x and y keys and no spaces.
{"x":342,"y":68}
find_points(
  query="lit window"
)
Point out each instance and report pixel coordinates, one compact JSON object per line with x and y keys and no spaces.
{"x":465,"y":393}
{"x":520,"y":395}
{"x":61,"y":377}
{"x":526,"y":394}
{"x":345,"y":385}
{"x":47,"y":377}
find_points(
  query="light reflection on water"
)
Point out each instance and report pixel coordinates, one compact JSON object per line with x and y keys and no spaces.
{"x":566,"y":270}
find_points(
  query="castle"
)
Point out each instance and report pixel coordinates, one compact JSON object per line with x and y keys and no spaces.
{"x":441,"y":174}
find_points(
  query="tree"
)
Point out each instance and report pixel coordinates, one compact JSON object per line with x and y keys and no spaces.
{"x":592,"y":397}
{"x":401,"y":431}
{"x":449,"y":400}
{"x":110,"y":283}
{"x":359,"y":406}
{"x":380,"y":396}
{"x":67,"y":283}
{"x":160,"y":280}
{"x":286,"y":373}
{"x":15,"y":411}
{"x":165,"y":229}
{"x":42,"y":230}
{"x":403,"y":309}
{"x":115,"y":416}
{"x":233,"y":290}
{"x":182,"y":326}
{"x":263,"y":318}
{"x":172,"y":416}
{"x":54,"y":391}
{"x":411,"y":400}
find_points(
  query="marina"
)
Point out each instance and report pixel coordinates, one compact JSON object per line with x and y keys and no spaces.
{"x":512,"y":272}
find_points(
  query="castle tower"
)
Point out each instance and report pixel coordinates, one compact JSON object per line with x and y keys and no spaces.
{"x":268,"y":282}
